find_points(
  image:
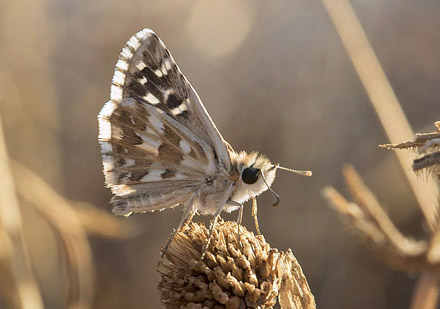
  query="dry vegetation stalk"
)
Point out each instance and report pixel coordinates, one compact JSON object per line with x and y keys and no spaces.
{"x":70,"y":222}
{"x":382,"y":97}
{"x":367,"y":216}
{"x":392,"y":118}
{"x":22,"y":288}
{"x":99,"y":222}
{"x":66,"y":224}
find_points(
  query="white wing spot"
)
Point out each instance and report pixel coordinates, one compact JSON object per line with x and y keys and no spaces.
{"x":186,"y":148}
{"x":179,"y":109}
{"x":143,"y":80}
{"x":127,"y":53}
{"x":149,"y":144}
{"x":156,"y":123}
{"x":141,"y":35}
{"x":107,"y":110}
{"x":105,"y":127}
{"x":158,"y":72}
{"x":150,"y":98}
{"x":115,"y":92}
{"x":153,"y":175}
{"x":134,"y":42}
{"x":168,"y":64}
{"x":140,"y":65}
{"x":119,"y":77}
{"x":122,"y":64}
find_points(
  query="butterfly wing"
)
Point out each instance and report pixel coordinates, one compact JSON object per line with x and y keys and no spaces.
{"x":157,"y":140}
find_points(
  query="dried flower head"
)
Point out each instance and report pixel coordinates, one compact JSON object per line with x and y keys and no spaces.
{"x":231,"y":275}
{"x":427,"y":146}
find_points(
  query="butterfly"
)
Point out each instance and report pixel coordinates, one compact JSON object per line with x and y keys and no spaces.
{"x":160,"y":148}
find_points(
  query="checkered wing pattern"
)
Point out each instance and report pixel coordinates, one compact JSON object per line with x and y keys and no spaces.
{"x":157,"y":140}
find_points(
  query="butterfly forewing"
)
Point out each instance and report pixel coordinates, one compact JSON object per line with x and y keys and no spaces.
{"x":158,"y":142}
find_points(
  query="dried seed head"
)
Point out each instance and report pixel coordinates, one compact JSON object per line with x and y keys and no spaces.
{"x":427,"y":146}
{"x":250,"y":275}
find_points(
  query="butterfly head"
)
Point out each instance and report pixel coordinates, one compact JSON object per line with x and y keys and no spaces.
{"x":257,"y":174}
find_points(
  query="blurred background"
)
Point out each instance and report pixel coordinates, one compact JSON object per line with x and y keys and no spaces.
{"x":274,"y":78}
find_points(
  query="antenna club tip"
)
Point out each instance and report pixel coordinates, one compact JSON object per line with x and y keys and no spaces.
{"x":299,"y":172}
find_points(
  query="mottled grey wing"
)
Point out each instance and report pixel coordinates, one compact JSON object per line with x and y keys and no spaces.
{"x":146,"y":71}
{"x":158,"y":142}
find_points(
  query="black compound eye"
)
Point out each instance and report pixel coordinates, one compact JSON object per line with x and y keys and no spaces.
{"x":250,"y":175}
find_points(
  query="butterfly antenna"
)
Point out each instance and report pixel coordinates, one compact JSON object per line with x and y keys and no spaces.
{"x":302,"y":173}
{"x":276,"y":196}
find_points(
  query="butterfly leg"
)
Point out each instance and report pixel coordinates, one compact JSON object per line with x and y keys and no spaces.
{"x":254,"y":215}
{"x":239,"y":219}
{"x":211,"y":229}
{"x":186,"y":218}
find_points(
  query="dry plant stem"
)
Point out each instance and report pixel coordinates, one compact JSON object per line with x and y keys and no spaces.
{"x":33,"y":84}
{"x":100,"y":223}
{"x":79,"y":265}
{"x":409,"y":255}
{"x":426,"y":294}
{"x":387,"y":107}
{"x":433,"y":255}
{"x":15,"y":250}
{"x":368,"y":202}
{"x":382,"y":97}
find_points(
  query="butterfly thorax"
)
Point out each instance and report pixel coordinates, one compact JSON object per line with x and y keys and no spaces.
{"x":229,"y":187}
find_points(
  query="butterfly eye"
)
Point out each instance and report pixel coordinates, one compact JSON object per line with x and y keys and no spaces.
{"x":250,"y":175}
